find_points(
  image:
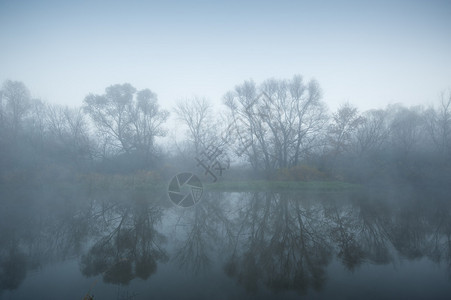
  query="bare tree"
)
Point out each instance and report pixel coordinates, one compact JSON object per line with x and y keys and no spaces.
{"x":67,"y":130}
{"x":37,"y":122}
{"x":2,"y":110}
{"x":146,"y":120}
{"x":438,"y":124}
{"x":373,"y":133}
{"x":109,"y":113}
{"x":406,"y":129}
{"x":196,"y":114}
{"x":280,"y":121}
{"x":126,"y":123}
{"x":345,"y":121}
{"x":17,"y":104}
{"x":249,"y":132}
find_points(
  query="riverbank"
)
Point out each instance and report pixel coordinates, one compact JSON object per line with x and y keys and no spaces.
{"x":257,"y":185}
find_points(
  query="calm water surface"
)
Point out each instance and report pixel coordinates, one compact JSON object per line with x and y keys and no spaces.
{"x":67,"y":243}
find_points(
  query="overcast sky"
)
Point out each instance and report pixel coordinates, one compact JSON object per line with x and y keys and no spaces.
{"x":369,"y":53}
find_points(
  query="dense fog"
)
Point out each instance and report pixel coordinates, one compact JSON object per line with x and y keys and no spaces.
{"x":225,"y":149}
{"x":276,"y":130}
{"x":285,"y":191}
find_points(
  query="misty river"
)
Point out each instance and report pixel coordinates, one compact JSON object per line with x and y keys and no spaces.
{"x":67,"y":243}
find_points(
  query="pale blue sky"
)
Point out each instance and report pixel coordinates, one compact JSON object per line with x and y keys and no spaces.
{"x":369,"y":53}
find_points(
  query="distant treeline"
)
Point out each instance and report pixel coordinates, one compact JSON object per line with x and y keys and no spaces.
{"x":279,"y":129}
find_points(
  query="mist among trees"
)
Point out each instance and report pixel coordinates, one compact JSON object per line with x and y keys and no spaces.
{"x":275,"y":130}
{"x":312,"y":190}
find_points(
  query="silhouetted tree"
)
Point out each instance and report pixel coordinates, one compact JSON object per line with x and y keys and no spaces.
{"x":196,"y":114}
{"x":438,"y":122}
{"x":16,"y":98}
{"x":279,"y":122}
{"x":345,"y":121}
{"x":126,"y":121}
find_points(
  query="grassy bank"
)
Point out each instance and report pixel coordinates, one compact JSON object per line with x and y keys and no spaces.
{"x":144,"y":181}
{"x":259,"y":185}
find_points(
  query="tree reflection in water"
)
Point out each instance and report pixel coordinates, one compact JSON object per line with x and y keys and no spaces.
{"x":13,"y":269}
{"x":358,"y":231}
{"x":280,"y":241}
{"x":285,"y":242}
{"x":130,"y":246}
{"x":280,"y":244}
{"x":206,"y":229}
{"x":39,"y":227}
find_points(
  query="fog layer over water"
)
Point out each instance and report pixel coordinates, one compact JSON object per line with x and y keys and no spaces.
{"x":64,"y":243}
{"x":291,"y":199}
{"x":225,"y":150}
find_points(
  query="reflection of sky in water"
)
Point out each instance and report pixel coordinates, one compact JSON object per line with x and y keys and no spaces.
{"x":340,"y":234}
